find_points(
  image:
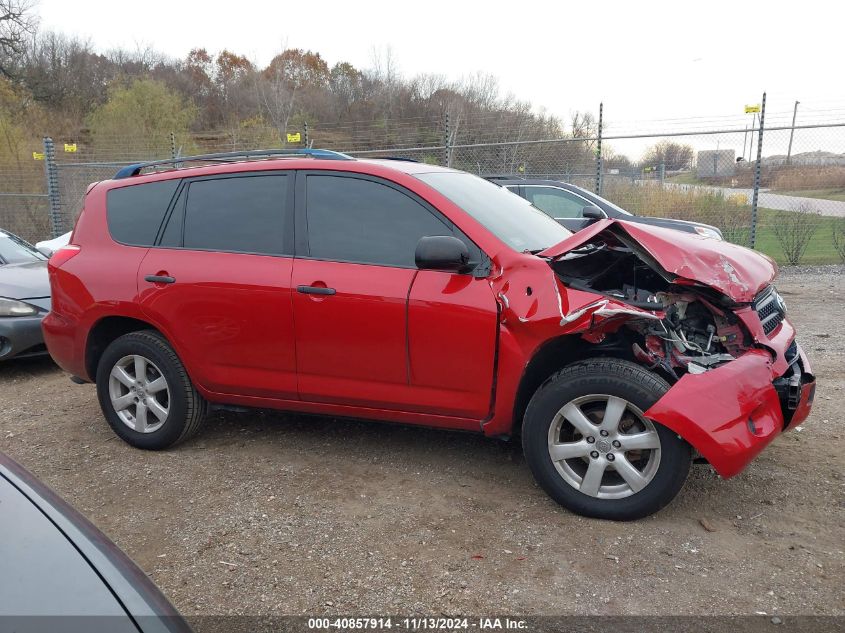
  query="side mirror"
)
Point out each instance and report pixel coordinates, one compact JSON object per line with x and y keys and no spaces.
{"x":441,"y":252}
{"x":47,"y":252}
{"x":593,"y":213}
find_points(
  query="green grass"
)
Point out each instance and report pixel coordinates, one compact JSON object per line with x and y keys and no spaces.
{"x":731,"y":215}
{"x":686,"y":178}
{"x":835,"y":193}
{"x":819,"y":251}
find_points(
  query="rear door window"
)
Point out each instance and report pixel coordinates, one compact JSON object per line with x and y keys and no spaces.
{"x":135,"y":212}
{"x":243,"y":214}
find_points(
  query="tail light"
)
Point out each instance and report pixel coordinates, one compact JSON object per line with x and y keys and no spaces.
{"x":61,"y":256}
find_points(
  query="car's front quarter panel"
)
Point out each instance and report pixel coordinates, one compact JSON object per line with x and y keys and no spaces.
{"x":533,"y":303}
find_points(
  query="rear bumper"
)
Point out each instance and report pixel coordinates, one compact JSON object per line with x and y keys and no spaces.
{"x":731,"y":413}
{"x":61,"y":338}
{"x":21,"y":337}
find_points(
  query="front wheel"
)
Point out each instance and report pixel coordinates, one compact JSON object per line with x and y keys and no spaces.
{"x":592,"y":450}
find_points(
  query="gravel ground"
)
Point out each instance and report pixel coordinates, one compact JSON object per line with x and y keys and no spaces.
{"x":267,"y":513}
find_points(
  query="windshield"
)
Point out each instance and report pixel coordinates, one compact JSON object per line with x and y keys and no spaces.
{"x":512,"y":219}
{"x":14,"y":250}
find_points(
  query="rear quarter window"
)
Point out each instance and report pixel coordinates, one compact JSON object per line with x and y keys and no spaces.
{"x":135,"y":213}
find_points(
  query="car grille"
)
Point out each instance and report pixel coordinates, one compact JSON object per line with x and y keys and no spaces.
{"x":770,"y":308}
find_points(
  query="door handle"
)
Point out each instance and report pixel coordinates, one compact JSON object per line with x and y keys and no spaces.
{"x":160,"y":279}
{"x":315,"y":290}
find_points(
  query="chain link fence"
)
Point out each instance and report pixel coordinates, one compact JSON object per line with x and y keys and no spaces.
{"x":24,"y":205}
{"x":789,"y":203}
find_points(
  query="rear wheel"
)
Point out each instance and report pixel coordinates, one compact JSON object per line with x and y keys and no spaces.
{"x":590,"y":447}
{"x":145,"y":392}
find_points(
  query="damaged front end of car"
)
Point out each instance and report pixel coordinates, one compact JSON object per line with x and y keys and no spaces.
{"x":704,"y":316}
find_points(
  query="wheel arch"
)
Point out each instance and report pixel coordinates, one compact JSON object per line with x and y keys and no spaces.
{"x":554,"y":355}
{"x":106,"y":330}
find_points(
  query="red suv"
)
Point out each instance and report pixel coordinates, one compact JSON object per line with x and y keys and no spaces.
{"x":311,"y":281}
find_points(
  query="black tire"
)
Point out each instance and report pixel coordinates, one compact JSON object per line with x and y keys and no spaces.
{"x":620,"y":379}
{"x":186,"y":407}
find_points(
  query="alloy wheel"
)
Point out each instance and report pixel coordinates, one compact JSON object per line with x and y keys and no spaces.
{"x":604,"y":446}
{"x":139,"y":393}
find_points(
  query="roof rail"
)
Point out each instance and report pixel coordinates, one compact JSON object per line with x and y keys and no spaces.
{"x":135,"y":169}
{"x":400,"y":158}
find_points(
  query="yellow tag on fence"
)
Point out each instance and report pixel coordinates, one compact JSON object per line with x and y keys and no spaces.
{"x":294,"y":138}
{"x":70,"y":147}
{"x":752,"y":108}
{"x":37,"y":155}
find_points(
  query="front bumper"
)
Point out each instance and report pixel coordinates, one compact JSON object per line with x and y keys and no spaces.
{"x":731,"y":413}
{"x":21,"y":337}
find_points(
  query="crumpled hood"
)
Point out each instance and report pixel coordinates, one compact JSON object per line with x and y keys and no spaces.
{"x":26,"y":280}
{"x":735,"y":271}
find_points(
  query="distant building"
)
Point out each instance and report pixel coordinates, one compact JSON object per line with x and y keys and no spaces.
{"x":715,"y":163}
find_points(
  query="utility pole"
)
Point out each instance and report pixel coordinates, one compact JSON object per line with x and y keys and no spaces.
{"x":792,"y":133}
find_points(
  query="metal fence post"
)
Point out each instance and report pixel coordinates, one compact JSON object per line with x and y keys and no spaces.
{"x":173,"y":154}
{"x":305,"y":126}
{"x":756,"y":193}
{"x":52,"y":176}
{"x":598,"y":152}
{"x":792,"y":133}
{"x":447,"y":140}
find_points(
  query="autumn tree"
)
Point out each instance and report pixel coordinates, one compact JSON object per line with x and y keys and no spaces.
{"x":231,"y":76}
{"x":300,"y":69}
{"x":20,"y":117}
{"x":140,"y":117}
{"x":290,"y":83}
{"x":345,"y":84}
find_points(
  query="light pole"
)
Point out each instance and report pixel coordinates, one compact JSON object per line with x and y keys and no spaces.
{"x":791,"y":134}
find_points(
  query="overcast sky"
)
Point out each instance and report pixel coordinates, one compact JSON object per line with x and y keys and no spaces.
{"x":646,"y":60}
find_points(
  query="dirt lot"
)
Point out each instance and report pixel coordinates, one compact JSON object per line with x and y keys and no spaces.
{"x":271,"y":513}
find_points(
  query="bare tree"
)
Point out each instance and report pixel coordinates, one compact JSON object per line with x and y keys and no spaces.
{"x":673,"y":156}
{"x":385,"y":72}
{"x":583,"y":125}
{"x":16,"y":23}
{"x":278,"y":87}
{"x":794,"y":230}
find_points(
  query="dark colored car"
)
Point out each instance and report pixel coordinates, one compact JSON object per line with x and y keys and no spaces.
{"x":24,"y":298}
{"x":566,"y":203}
{"x":60,"y":573}
{"x":311,"y":281}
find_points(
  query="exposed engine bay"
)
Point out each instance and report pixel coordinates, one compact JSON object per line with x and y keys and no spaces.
{"x":677,"y":326}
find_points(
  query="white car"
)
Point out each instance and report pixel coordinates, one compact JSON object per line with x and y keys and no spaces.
{"x":48,"y":247}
